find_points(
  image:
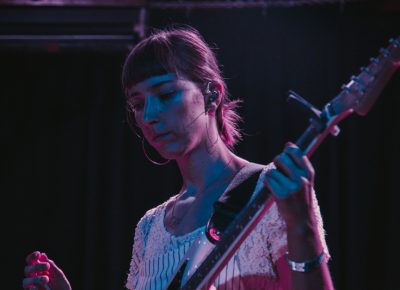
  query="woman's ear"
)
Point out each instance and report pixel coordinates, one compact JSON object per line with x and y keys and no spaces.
{"x":212,"y":97}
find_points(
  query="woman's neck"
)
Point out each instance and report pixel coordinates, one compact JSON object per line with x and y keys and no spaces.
{"x":204,"y":167}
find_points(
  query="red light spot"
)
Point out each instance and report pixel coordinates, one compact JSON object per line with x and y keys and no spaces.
{"x":215,"y":234}
{"x":53,"y":47}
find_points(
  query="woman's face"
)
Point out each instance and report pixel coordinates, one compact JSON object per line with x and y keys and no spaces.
{"x":170,"y":113}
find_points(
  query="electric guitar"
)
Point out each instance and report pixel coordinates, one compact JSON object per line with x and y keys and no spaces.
{"x":214,"y":248}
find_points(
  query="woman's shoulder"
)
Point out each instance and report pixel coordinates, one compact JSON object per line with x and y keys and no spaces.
{"x":151,"y":216}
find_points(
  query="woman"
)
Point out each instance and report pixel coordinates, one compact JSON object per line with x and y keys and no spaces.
{"x":179,"y":102}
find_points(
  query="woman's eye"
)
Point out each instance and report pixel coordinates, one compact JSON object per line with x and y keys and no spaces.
{"x":136,"y":107}
{"x":167,"y":95}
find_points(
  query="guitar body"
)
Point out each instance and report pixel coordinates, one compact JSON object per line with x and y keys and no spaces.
{"x":190,"y":263}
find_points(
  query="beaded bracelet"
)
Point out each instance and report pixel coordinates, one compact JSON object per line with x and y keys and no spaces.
{"x":305,"y":266}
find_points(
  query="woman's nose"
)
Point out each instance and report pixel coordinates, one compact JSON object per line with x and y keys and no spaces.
{"x":151,"y":109}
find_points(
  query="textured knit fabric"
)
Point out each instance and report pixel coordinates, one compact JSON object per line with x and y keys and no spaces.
{"x":157,"y":253}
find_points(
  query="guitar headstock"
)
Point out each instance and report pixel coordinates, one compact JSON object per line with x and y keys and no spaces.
{"x":356,"y":96}
{"x":362,"y":91}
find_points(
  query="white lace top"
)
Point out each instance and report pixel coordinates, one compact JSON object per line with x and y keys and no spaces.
{"x":157,"y":253}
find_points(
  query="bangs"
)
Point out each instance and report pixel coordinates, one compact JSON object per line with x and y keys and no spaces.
{"x":146,"y":61}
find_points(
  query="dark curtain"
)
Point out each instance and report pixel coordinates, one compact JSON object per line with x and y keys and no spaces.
{"x":74,"y":181}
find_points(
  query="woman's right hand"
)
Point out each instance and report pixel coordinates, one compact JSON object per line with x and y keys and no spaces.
{"x":41,"y":273}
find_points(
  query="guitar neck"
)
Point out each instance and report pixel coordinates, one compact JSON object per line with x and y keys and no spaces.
{"x":357,"y":96}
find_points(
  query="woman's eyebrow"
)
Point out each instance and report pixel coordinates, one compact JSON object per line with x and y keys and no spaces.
{"x":153,"y":87}
{"x":158,"y":80}
{"x":161,"y":84}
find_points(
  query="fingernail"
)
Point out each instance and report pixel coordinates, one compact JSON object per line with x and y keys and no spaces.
{"x":43,"y":257}
{"x":41,"y":279}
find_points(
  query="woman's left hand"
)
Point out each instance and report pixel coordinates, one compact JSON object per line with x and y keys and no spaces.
{"x":42,"y":273}
{"x":292,"y":184}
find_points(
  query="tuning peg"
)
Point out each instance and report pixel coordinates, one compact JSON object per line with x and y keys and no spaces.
{"x":350,"y":88}
{"x":361,"y":89}
{"x":357,"y":79}
{"x":366,"y":70}
{"x":374,"y":60}
{"x":384,"y":51}
{"x":345,"y":88}
{"x":395,"y":42}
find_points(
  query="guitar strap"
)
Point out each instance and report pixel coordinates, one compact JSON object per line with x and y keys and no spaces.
{"x":228,"y":206}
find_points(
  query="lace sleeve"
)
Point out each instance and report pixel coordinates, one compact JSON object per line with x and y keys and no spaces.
{"x":137,"y":252}
{"x":277,"y":238}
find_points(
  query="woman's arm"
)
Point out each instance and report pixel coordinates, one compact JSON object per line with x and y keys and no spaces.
{"x":318,"y":278}
{"x":140,"y":236}
{"x":292,"y":185}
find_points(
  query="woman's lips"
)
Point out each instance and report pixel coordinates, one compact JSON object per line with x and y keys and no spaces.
{"x":161,"y":136}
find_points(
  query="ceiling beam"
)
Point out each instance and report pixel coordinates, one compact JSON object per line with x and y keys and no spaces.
{"x":160,"y":4}
{"x":75,"y":3}
{"x":169,"y":4}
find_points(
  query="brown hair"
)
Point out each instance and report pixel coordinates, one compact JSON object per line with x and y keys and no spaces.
{"x":184,"y":52}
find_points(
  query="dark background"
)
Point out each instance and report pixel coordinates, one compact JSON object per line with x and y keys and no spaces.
{"x":74,"y":181}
